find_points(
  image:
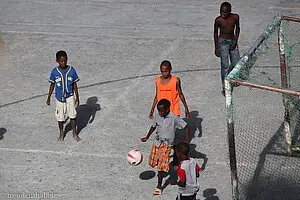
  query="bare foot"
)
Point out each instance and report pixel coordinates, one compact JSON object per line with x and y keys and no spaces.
{"x":61,"y":138}
{"x":75,"y":136}
{"x":223,"y":92}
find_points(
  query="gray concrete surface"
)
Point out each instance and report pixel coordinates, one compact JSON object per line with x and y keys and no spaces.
{"x":116,"y":47}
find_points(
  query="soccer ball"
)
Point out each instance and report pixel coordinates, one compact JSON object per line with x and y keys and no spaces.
{"x":134,"y":157}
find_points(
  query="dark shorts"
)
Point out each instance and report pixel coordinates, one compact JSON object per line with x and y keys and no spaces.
{"x":180,"y":197}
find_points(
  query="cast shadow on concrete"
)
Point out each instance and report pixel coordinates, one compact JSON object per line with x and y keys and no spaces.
{"x":146,"y":175}
{"x":295,"y":120}
{"x":196,"y":154}
{"x":194,"y":124}
{"x":283,"y":182}
{"x":85,"y":114}
{"x":2,"y":131}
{"x":210,"y":193}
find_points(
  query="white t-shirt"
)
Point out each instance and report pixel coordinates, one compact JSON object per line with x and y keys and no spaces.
{"x":186,"y":172}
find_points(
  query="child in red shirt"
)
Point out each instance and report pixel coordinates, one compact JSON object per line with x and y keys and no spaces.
{"x":188,"y":172}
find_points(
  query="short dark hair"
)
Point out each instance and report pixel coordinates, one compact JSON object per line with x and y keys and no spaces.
{"x":166,"y":63}
{"x":164,"y":102}
{"x":60,"y":54}
{"x":183,"y":148}
{"x":226,"y":4}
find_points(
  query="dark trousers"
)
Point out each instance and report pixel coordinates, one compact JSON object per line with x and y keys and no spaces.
{"x":180,"y":197}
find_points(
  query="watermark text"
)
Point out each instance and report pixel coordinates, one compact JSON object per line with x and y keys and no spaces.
{"x":31,"y":195}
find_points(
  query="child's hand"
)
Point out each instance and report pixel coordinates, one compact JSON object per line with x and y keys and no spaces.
{"x":217,"y":52}
{"x":151,"y":115}
{"x":77,"y":102}
{"x":144,"y":139}
{"x":232,"y":46}
{"x":48,"y":102}
{"x":187,"y":114}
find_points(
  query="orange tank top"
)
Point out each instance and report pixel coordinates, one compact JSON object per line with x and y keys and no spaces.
{"x":169,"y":92}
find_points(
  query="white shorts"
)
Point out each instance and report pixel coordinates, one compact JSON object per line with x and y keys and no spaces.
{"x":65,"y":109}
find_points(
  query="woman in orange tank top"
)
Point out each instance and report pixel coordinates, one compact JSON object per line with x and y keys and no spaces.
{"x":168,"y":87}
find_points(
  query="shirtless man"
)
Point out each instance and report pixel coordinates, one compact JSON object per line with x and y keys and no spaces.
{"x":226,"y":41}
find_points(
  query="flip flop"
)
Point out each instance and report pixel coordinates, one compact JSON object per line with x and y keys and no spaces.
{"x":157,"y":192}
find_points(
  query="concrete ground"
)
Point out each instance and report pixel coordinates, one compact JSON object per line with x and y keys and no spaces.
{"x":116,"y":47}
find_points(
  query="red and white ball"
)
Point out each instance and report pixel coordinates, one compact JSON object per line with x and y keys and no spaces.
{"x":134,"y":157}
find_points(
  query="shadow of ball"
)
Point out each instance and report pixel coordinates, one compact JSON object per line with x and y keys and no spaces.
{"x":146,"y":175}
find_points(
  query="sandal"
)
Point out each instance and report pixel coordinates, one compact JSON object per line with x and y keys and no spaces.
{"x":157,"y":192}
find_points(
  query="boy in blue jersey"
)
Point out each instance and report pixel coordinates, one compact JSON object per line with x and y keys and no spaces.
{"x":64,"y":78}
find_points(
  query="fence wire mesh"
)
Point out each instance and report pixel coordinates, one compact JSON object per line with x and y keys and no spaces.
{"x":264,"y":168}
